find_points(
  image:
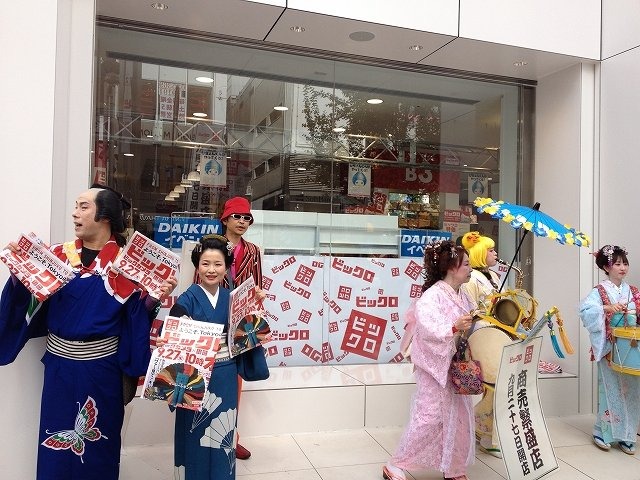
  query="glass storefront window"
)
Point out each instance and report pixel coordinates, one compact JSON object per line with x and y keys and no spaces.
{"x":339,"y":160}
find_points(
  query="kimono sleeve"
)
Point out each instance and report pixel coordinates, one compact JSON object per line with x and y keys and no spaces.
{"x":15,"y":329}
{"x":134,"y":350}
{"x":433,"y":346}
{"x":592,"y":315}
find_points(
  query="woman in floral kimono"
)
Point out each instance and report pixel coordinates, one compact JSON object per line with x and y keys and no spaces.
{"x":440,"y":430}
{"x":613,"y":303}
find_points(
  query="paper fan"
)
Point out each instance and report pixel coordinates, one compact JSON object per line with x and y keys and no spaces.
{"x":180,"y":384}
{"x":251,"y":331}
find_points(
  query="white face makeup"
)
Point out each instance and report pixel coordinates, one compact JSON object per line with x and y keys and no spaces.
{"x":211,"y":269}
{"x":84,"y":219}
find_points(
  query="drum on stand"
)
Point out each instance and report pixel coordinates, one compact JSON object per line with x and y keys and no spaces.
{"x":625,"y":353}
{"x":486,"y":344}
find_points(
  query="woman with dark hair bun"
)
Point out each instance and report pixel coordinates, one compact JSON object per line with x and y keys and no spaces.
{"x":613,"y":303}
{"x":199,"y":453}
{"x":440,"y":433}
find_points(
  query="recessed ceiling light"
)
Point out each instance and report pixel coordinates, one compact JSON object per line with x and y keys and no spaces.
{"x":520,"y":63}
{"x":204,"y":79}
{"x":416,"y":47}
{"x":281,"y":108}
{"x":301,"y":169}
{"x":297,"y":29}
{"x":374,"y":101}
{"x":128,"y":154}
{"x":362,"y":36}
{"x":159,"y":6}
{"x":338,"y":129}
{"x":199,"y":114}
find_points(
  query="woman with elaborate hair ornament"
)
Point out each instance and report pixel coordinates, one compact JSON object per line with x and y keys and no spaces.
{"x":484,"y":283}
{"x":440,"y":430}
{"x":613,"y":303}
{"x":205,"y":441}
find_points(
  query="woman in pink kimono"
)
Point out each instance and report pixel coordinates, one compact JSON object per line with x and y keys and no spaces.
{"x":440,"y":433}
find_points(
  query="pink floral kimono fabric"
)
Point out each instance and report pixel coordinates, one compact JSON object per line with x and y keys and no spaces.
{"x":440,"y":433}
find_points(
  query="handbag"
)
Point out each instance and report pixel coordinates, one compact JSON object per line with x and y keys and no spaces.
{"x":466,"y":374}
{"x":252,"y":365}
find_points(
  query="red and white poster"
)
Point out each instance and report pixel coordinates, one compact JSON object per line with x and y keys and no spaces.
{"x":171,"y":101}
{"x":337,"y":310}
{"x":37,"y":268}
{"x":247,"y":325}
{"x":180,"y":369}
{"x":146,"y":262}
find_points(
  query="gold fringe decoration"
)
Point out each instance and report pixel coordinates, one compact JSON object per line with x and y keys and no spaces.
{"x":563,"y":335}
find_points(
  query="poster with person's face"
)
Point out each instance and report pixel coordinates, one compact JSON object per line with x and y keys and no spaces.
{"x":359,"y":180}
{"x":478,"y":186}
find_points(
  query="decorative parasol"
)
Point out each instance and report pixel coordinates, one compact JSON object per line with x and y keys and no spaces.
{"x":532,"y":220}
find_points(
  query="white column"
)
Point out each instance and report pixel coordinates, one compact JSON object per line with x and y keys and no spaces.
{"x":45,"y":121}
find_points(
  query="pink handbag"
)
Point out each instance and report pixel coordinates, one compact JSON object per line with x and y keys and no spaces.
{"x":466,"y":375}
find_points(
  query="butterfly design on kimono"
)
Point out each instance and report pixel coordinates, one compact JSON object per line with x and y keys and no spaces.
{"x":83,"y":430}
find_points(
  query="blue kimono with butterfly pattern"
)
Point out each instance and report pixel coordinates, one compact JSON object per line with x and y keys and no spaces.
{"x":204,"y":442}
{"x":82,"y":407}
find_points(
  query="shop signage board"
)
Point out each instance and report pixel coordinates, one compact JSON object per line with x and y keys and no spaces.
{"x":412,"y":242}
{"x":170,"y":232}
{"x":524,"y":439}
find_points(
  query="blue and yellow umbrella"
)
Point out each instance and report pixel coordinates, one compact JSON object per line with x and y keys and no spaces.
{"x":532,"y":220}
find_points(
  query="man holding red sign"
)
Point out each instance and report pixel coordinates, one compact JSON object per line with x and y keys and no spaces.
{"x":97,"y":329}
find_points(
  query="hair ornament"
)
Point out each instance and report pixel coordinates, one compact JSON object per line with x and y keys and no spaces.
{"x":470,"y":239}
{"x":609,"y":250}
{"x":222,"y":238}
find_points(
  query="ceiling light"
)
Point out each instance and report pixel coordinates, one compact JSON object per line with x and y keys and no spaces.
{"x":179,"y":189}
{"x":301,"y":169}
{"x":159,"y":6}
{"x":339,"y":129}
{"x":169,"y":198}
{"x":194,"y":176}
{"x":204,"y":79}
{"x":361,"y":36}
{"x":281,"y":108}
{"x":416,"y":47}
{"x":199,"y":114}
{"x":128,"y":154}
{"x":149,"y":136}
{"x":297,"y":29}
{"x":173,"y":194}
{"x":520,"y":63}
{"x":374,"y":101}
{"x":185,"y":182}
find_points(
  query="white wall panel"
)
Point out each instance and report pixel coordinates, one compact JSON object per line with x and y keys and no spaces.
{"x":570,"y":27}
{"x":619,"y":150}
{"x":45,"y":122}
{"x":559,"y":103}
{"x":26,"y":123}
{"x":437,"y":16}
{"x":620,"y":26}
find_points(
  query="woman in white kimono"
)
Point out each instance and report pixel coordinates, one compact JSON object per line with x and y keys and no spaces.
{"x":440,"y":430}
{"x":484,"y":283}
{"x":613,"y":303}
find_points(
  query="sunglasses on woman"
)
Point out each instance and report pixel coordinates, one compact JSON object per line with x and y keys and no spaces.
{"x":237,"y":216}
